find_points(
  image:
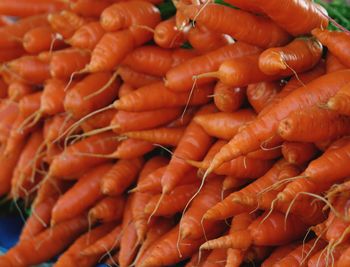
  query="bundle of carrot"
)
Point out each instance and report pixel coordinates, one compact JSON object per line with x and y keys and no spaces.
{"x":146,"y":134}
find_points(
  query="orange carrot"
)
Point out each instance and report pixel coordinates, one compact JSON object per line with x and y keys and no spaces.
{"x":89,"y":8}
{"x":136,"y":79}
{"x":261,"y":94}
{"x":81,"y":196}
{"x":107,"y":209}
{"x":228,"y":99}
{"x":70,"y":163}
{"x":333,"y":63}
{"x":298,"y":152}
{"x":132,"y":148}
{"x":17,"y":90}
{"x":121,"y":176}
{"x":87,"y":36}
{"x":156,"y":96}
{"x":344,"y":259}
{"x":8,"y":114}
{"x":336,"y":42}
{"x":3,"y":89}
{"x":54,"y":240}
{"x":167,"y":35}
{"x":180,"y":78}
{"x":56,"y":126}
{"x":125,"y":89}
{"x":29,"y":104}
{"x":339,"y":102}
{"x":321,"y":260}
{"x":224,"y":125}
{"x":11,"y":53}
{"x":262,"y":31}
{"x":23,"y":8}
{"x":298,"y":56}
{"x":65,"y":23}
{"x":216,"y":258}
{"x":100,"y":120}
{"x":278,"y":254}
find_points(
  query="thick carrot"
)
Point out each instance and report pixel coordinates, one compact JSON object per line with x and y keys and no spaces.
{"x":76,"y":101}
{"x":278,"y":254}
{"x":336,"y":42}
{"x":298,"y":56}
{"x":89,"y":8}
{"x":81,"y":196}
{"x":298,"y":152}
{"x":224,"y":125}
{"x":227,"y":98}
{"x":121,"y":176}
{"x":144,"y":58}
{"x":180,"y":78}
{"x":339,"y":102}
{"x":24,"y":8}
{"x":264,"y":127}
{"x":87,"y":36}
{"x":262,"y":31}
{"x":261,"y":94}
{"x":107,"y":209}
{"x":71,"y":163}
{"x":173,"y":202}
{"x":204,"y":40}
{"x":161,"y":136}
{"x":132,"y":148}
{"x":136,"y":79}
{"x":16,"y":90}
{"x":167,"y":35}
{"x":54,"y":240}
{"x":157,"y":96}
{"x":333,"y":63}
{"x":324,"y":125}
{"x":65,"y":23}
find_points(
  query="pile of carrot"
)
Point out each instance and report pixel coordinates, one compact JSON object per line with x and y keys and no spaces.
{"x":215,"y":136}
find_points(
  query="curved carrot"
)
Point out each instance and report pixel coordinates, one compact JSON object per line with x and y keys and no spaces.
{"x":156,"y":96}
{"x":227,"y":98}
{"x":87,"y":36}
{"x":339,"y":102}
{"x":180,"y":78}
{"x":262,"y":31}
{"x":298,"y":152}
{"x":136,"y":79}
{"x":167,"y":35}
{"x":23,"y":8}
{"x":298,"y":56}
{"x":261,"y":94}
{"x":65,"y":22}
{"x":81,"y":196}
{"x":333,"y":63}
{"x":107,"y":209}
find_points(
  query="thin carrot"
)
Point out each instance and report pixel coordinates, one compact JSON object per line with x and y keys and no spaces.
{"x":227,"y":98}
{"x":87,"y":36}
{"x":261,"y":94}
{"x":56,"y":127}
{"x":167,"y":35}
{"x":23,"y":8}
{"x":65,"y":23}
{"x":339,"y":102}
{"x":262,"y":31}
{"x":136,"y":79}
{"x":298,"y":152}
{"x":107,"y":209}
{"x":298,"y":56}
{"x":81,"y":196}
{"x":156,"y":96}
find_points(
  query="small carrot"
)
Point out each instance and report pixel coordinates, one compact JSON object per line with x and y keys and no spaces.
{"x":121,"y":176}
{"x":87,"y":36}
{"x":339,"y":102}
{"x":333,"y":63}
{"x":227,"y":98}
{"x":81,"y":196}
{"x":107,"y":209}
{"x":298,"y":56}
{"x":65,"y":23}
{"x":298,"y":152}
{"x":132,"y":148}
{"x":156,"y":96}
{"x":29,"y":8}
{"x":136,"y":79}
{"x":261,"y":94}
{"x":224,"y":125}
{"x":167,"y":35}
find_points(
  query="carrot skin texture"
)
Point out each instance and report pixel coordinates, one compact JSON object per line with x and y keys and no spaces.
{"x":261,"y":94}
{"x":167,"y":35}
{"x":89,"y":8}
{"x":228,"y":99}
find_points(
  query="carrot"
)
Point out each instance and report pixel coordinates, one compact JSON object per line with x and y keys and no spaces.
{"x":173,"y":202}
{"x":338,"y":102}
{"x":263,"y":128}
{"x":54,"y":240}
{"x":17,"y":90}
{"x":8,"y":114}
{"x":87,"y":36}
{"x":247,"y":6}
{"x":136,"y":79}
{"x":185,"y":118}
{"x":298,"y":152}
{"x":76,"y":101}
{"x":24,"y":8}
{"x":224,"y":125}
{"x":319,"y":259}
{"x":70,"y":163}
{"x":100,"y":120}
{"x":38,"y":220}
{"x":278,"y":254}
{"x":144,"y":58}
{"x":344,"y":259}
{"x":41,"y":39}
{"x":167,"y":34}
{"x":65,"y":23}
{"x":261,"y":94}
{"x":204,"y":40}
{"x":125,"y":89}
{"x":190,"y":223}
{"x":228,"y":99}
{"x":107,"y":209}
{"x":324,"y":124}
{"x":162,"y":136}
{"x":132,"y":148}
{"x":298,"y":56}
{"x":156,"y":96}
{"x":125,"y":121}
{"x":300,"y":255}
{"x":123,"y":15}
{"x":11,"y":53}
{"x":336,"y":42}
{"x":65,"y":62}
{"x":52,"y":150}
{"x":179,"y":78}
{"x":216,"y":258}
{"x":333,"y":63}
{"x":56,"y":126}
{"x":3,"y":89}
{"x":81,"y":196}
{"x":89,"y":8}
{"x":262,"y":31}
{"x":29,"y":104}
{"x":52,"y":97}
{"x":105,"y":243}
{"x":193,"y":145}
{"x":71,"y":257}
{"x":30,"y":69}
{"x":120,"y":176}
